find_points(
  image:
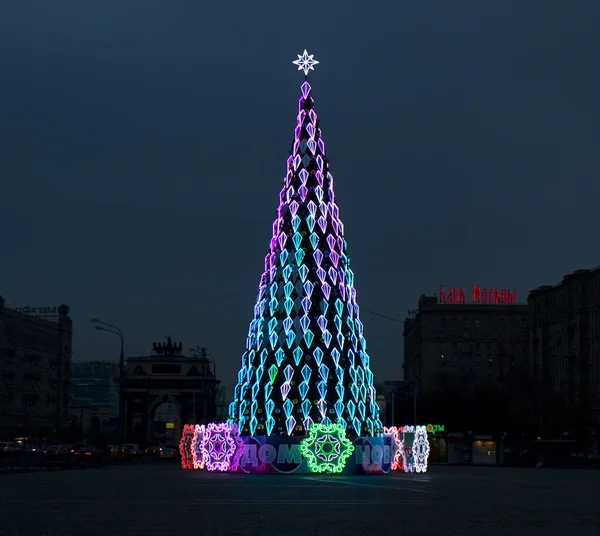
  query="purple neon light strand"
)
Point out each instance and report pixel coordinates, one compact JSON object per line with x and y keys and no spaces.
{"x":221,"y":447}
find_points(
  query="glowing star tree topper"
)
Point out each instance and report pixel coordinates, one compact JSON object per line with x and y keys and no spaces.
{"x":305,"y":62}
{"x":326,"y":448}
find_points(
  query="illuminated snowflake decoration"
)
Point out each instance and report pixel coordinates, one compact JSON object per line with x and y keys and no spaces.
{"x":396,"y":435}
{"x":407,"y":451}
{"x":305,"y":62}
{"x":221,"y":447}
{"x":326,"y":448}
{"x":420,"y":449}
{"x":185,"y":446}
{"x":197,"y":458}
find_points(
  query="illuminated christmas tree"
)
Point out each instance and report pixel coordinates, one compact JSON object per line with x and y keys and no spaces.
{"x":306,"y":358}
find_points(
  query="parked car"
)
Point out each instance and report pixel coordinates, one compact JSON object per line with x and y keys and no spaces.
{"x":60,"y":454}
{"x":9,"y":446}
{"x":133,"y":450}
{"x":117,"y":452}
{"x":90,"y":454}
{"x":53,"y":451}
{"x":168,"y":453}
{"x":9,"y":453}
{"x":153,"y":451}
{"x":128,"y":451}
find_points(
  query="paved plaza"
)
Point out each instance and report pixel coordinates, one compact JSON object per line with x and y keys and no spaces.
{"x":163,"y":500}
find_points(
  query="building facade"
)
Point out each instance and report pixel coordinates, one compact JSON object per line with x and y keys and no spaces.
{"x":35,"y":366}
{"x":164,"y":392}
{"x":565,"y":340}
{"x":94,"y":397}
{"x":465,"y":343}
{"x":95,"y":384}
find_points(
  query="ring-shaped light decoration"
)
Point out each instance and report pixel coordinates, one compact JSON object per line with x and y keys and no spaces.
{"x":420,"y":449}
{"x":396,"y":435}
{"x":407,"y":449}
{"x":221,"y":447}
{"x":185,"y":446}
{"x":326,"y":448}
{"x":198,"y":460}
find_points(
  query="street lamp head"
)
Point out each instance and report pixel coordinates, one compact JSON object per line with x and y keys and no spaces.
{"x":101,"y":328}
{"x":94,"y":320}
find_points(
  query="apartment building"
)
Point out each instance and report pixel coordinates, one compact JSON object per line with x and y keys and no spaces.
{"x":474,"y":341}
{"x":35,"y":364}
{"x":564,"y":341}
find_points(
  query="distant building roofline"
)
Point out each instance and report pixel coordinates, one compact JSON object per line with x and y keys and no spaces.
{"x":579,"y":274}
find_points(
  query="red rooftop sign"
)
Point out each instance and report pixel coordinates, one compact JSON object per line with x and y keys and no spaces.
{"x":479,"y":295}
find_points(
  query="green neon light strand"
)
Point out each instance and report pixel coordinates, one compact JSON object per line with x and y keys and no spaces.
{"x":326,"y":448}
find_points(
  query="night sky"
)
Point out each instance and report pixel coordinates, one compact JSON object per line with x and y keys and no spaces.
{"x":143,"y":145}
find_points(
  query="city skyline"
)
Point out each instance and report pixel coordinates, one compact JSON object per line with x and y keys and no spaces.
{"x":460,"y":146}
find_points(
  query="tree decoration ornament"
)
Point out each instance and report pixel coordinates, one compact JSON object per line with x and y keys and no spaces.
{"x":221,"y":447}
{"x":198,"y":459}
{"x":306,"y":358}
{"x":420,"y":449}
{"x":326,"y":448}
{"x":306,"y":62}
{"x":396,"y":435}
{"x":185,"y":446}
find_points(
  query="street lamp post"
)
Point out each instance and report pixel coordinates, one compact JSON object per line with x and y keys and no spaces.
{"x":110,"y":328}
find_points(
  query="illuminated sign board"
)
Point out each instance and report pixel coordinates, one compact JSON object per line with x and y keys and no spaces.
{"x":433,"y":428}
{"x":488,"y":296}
